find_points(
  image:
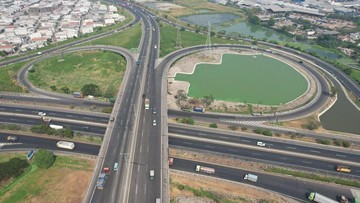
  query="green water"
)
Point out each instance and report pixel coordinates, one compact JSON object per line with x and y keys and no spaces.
{"x":248,"y":79}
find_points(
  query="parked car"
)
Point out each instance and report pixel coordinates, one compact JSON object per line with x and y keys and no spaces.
{"x":42,"y":114}
{"x":12,"y":138}
{"x":261,"y":144}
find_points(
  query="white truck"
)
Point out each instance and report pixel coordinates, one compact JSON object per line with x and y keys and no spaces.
{"x":251,"y":177}
{"x":158,"y":200}
{"x":56,"y":127}
{"x":316,"y":197}
{"x":147,"y":104}
{"x":203,"y":169}
{"x":65,"y":145}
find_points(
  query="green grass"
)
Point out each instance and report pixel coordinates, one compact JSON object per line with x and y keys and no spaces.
{"x":42,"y":184}
{"x":241,"y":75}
{"x":104,"y":68}
{"x":314,"y":176}
{"x":168,"y":39}
{"x":129,"y":38}
{"x":4,"y":157}
{"x":355,"y":74}
{"x":8,"y":78}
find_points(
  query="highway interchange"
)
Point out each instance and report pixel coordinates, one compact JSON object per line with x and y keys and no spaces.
{"x":127,"y":140}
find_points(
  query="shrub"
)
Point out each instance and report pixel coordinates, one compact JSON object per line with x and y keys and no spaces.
{"x":213,"y":125}
{"x":267,"y":132}
{"x":346,"y":144}
{"x":107,"y":110}
{"x":338,"y":142}
{"x":243,"y":128}
{"x":233,"y":127}
{"x":53,"y":88}
{"x":12,"y":168}
{"x":323,"y":141}
{"x":188,"y":121}
{"x":312,"y":125}
{"x":44,"y":158}
{"x":258,"y":131}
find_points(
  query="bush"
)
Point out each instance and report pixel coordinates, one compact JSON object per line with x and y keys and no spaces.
{"x":12,"y":168}
{"x":312,"y":125}
{"x":107,"y":109}
{"x":180,"y":187}
{"x":65,"y":89}
{"x":258,"y":131}
{"x":243,"y":128}
{"x":346,"y":144}
{"x":323,"y":141}
{"x":267,"y":132}
{"x":338,"y":142}
{"x":44,"y":158}
{"x":53,"y":88}
{"x":188,"y":121}
{"x":233,"y":127}
{"x":44,"y":129}
{"x":213,"y":125}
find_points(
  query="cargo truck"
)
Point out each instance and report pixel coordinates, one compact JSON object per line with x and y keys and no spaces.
{"x":316,"y":197}
{"x":147,"y":104}
{"x":251,"y":177}
{"x":100,"y":181}
{"x":203,"y":169}
{"x":199,"y":109}
{"x":56,"y":127}
{"x":65,"y":145}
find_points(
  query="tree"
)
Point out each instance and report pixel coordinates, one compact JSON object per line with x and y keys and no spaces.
{"x":254,"y":19}
{"x":44,"y":158}
{"x":271,"y":21}
{"x":91,"y":89}
{"x":208,"y":100}
{"x":333,"y":91}
{"x":65,"y":89}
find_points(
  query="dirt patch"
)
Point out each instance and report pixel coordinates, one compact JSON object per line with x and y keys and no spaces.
{"x":224,"y":189}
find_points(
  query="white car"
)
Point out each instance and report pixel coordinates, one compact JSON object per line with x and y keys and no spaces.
{"x":154,"y":122}
{"x":261,"y":144}
{"x":155,"y":46}
{"x":42,"y":114}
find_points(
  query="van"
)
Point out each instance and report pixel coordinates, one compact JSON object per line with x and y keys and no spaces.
{"x":152,"y":174}
{"x":344,"y":169}
{"x":116,"y":166}
{"x":12,"y":138}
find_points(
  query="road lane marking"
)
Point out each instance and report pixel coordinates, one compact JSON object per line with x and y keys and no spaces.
{"x":140,"y":148}
{"x":126,"y":100}
{"x":136,"y":189}
{"x":201,"y":133}
{"x":245,"y":140}
{"x":283,"y":158}
{"x":13,"y":119}
{"x":340,"y":155}
{"x":138,"y":168}
{"x":209,"y":146}
{"x":307,"y":162}
{"x":256,"y":154}
{"x":315,"y":151}
{"x":18,"y":110}
{"x":291,"y":147}
{"x":232,"y":150}
{"x":189,"y":143}
{"x":181,"y":131}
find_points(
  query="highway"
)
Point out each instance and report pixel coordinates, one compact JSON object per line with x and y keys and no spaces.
{"x":33,"y":143}
{"x":266,"y":181}
{"x":295,"y":188}
{"x":278,"y":144}
{"x":266,"y":156}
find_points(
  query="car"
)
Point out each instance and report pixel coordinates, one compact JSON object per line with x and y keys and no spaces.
{"x":85,"y":128}
{"x":152,"y":174}
{"x":154,"y":111}
{"x":154,"y":122}
{"x":41,"y":114}
{"x":261,"y":144}
{"x":116,"y":166}
{"x":155,"y":46}
{"x":0,"y":96}
{"x":12,"y":138}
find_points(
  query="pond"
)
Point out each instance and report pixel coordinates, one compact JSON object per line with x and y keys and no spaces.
{"x":247,"y":29}
{"x":215,"y":19}
{"x":323,"y":53}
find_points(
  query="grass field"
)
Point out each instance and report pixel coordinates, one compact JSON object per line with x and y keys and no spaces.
{"x":243,"y":78}
{"x":129,"y":38}
{"x":65,"y":181}
{"x":168,"y":39}
{"x":106,"y":69}
{"x":8,"y":78}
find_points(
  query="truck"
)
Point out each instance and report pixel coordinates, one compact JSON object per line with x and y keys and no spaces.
{"x":100,"y":181}
{"x":147,"y":104}
{"x":316,"y":197}
{"x":65,"y":145}
{"x":56,"y":127}
{"x":158,"y":200}
{"x":46,"y":121}
{"x":199,"y":109}
{"x":251,"y":177}
{"x":78,"y":95}
{"x":203,"y":169}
